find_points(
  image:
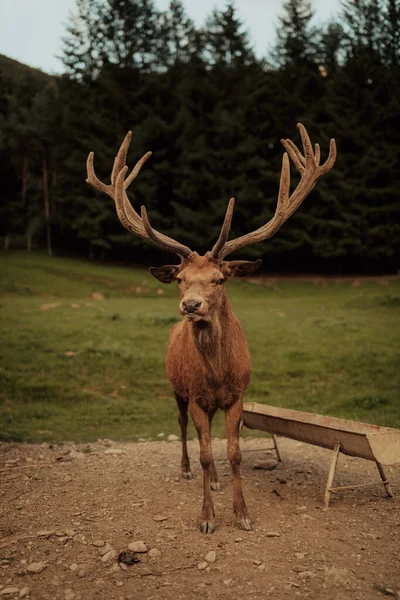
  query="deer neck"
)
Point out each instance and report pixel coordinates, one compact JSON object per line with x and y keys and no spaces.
{"x":210,"y":336}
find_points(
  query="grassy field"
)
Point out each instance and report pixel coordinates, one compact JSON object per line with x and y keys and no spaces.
{"x":83,"y":346}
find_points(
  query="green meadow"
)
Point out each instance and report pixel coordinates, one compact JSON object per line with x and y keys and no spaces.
{"x":83,"y":346}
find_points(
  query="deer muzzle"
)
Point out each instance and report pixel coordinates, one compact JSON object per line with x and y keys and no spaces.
{"x":192,"y":307}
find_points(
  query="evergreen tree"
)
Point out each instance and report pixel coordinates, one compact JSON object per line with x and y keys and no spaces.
{"x":362,"y":21}
{"x":84,"y":45}
{"x":179,"y":41}
{"x":296,"y":38}
{"x":391,"y":32}
{"x":213,"y":117}
{"x":226,"y":42}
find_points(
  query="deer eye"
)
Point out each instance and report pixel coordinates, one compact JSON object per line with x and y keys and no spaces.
{"x":179,"y":280}
{"x":220,"y":281}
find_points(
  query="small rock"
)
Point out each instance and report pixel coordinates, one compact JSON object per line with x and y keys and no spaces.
{"x":389,"y":591}
{"x":172,"y":438}
{"x":261,"y":567}
{"x":257,"y":562}
{"x":36,"y":567}
{"x":267,"y":465}
{"x":108,"y":555}
{"x":306,"y":574}
{"x":211,"y":557}
{"x":69,"y":594}
{"x":137,"y":547}
{"x":307,"y":517}
{"x":76,"y":454}
{"x":113,"y":451}
{"x":160,"y":435}
{"x":98,"y":543}
{"x":97,"y":296}
{"x":202,"y":566}
{"x":160,"y":518}
{"x":227,"y":582}
{"x":24,"y":592}
{"x":45,"y":533}
{"x":115,"y":568}
{"x":70,"y":532}
{"x":73,"y":567}
{"x":154,"y":552}
{"x":299,"y":555}
{"x":9,"y":590}
{"x":272,"y":534}
{"x":119,"y":583}
{"x":105,"y":549}
{"x":238,"y":539}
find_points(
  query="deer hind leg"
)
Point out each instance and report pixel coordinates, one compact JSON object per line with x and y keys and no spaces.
{"x":183,"y":421}
{"x":215,"y":486}
{"x":202,"y":424}
{"x":232,"y":419}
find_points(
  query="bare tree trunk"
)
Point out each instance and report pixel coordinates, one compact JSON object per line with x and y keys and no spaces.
{"x":46,"y":200}
{"x":25,"y":164}
{"x":6,"y":241}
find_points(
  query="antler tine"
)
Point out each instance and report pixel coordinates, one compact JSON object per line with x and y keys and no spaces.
{"x":298,"y":159}
{"x":330,"y":161}
{"x":122,"y":206}
{"x":92,"y":178}
{"x":310,"y":171}
{"x":226,"y":227}
{"x":120,"y":159}
{"x":160,"y":240}
{"x":136,"y":169}
{"x":270,"y":228}
{"x":307,"y":145}
{"x":117,"y":191}
{"x":317,"y":154}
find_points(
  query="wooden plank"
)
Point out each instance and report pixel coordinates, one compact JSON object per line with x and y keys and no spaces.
{"x":364,"y":440}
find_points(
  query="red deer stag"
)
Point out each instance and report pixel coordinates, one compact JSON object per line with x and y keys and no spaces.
{"x":208,"y":361}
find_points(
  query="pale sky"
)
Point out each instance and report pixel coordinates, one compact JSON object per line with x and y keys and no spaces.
{"x":31,"y":30}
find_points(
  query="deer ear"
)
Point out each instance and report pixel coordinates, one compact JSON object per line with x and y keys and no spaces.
{"x":165,"y":274}
{"x":240,"y":268}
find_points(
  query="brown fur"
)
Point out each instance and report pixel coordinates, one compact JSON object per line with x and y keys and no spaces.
{"x":208,"y":364}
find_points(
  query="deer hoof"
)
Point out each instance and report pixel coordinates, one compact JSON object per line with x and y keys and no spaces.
{"x":187,"y":475}
{"x":245,"y":524}
{"x":207,"y":526}
{"x":215,"y":486}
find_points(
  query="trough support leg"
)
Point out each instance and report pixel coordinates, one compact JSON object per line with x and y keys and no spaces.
{"x":278,"y":454}
{"x":385,"y":480}
{"x":331,"y":475}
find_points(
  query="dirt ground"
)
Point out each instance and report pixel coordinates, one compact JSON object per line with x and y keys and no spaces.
{"x":71,"y":509}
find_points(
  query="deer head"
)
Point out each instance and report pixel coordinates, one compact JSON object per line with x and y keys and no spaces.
{"x":201,"y":278}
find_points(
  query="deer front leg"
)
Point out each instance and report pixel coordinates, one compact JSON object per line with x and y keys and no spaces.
{"x":232,"y":419}
{"x":215,"y":486}
{"x":202,"y":424}
{"x":183,"y":421}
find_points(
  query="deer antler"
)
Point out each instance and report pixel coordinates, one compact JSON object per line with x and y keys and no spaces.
{"x":310,"y":171}
{"x":125,"y":211}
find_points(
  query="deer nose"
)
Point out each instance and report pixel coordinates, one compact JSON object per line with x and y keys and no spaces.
{"x":191,"y":306}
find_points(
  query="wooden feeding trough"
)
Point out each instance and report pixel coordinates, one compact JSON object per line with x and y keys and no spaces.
{"x":380,"y":444}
